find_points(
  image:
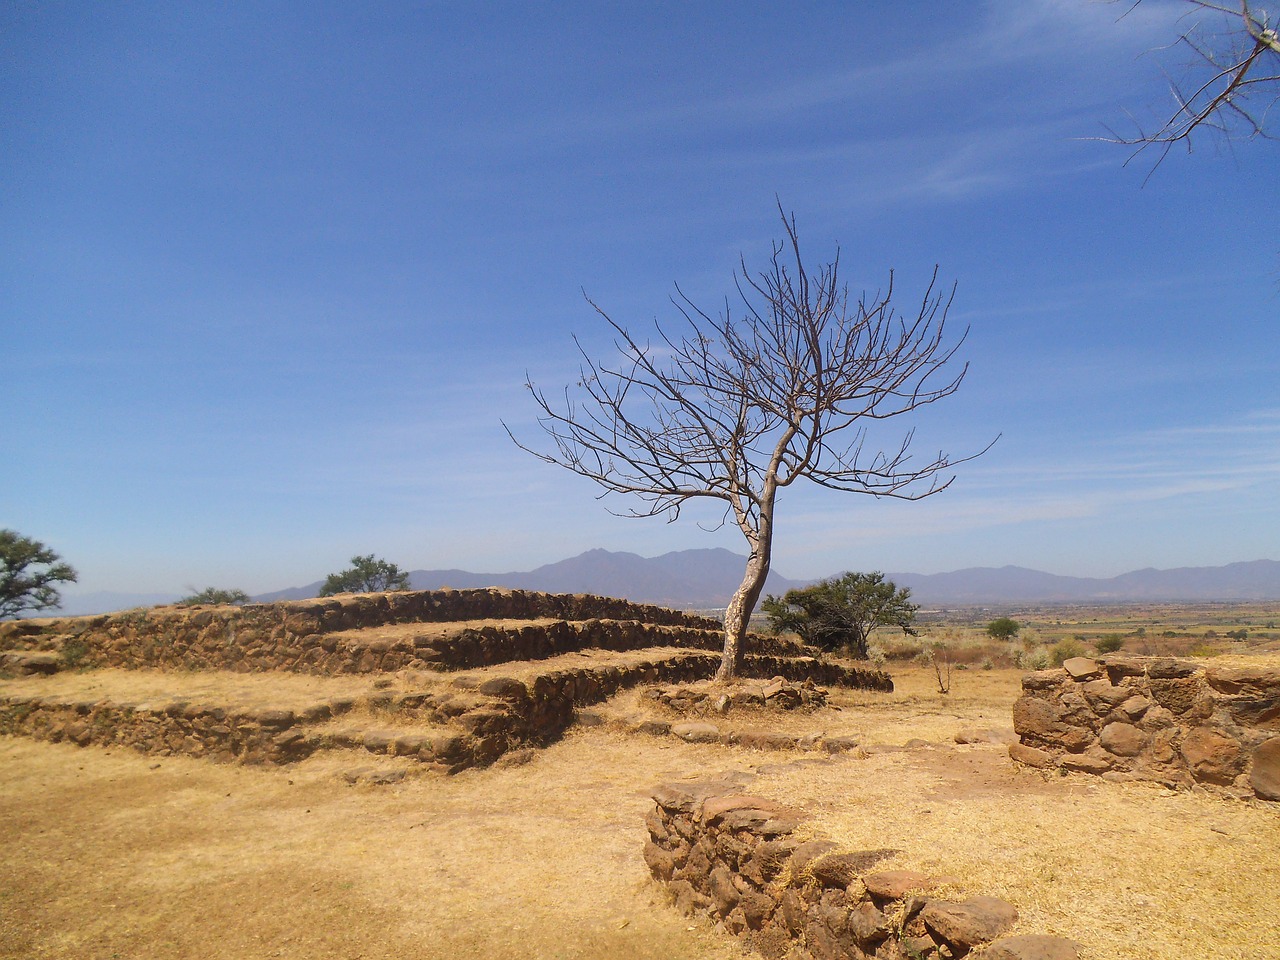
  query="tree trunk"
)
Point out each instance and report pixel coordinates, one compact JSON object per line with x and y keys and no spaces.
{"x":741,"y":605}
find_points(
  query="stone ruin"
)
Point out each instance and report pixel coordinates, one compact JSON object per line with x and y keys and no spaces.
{"x":455,"y":678}
{"x":743,"y":861}
{"x":1179,"y":723}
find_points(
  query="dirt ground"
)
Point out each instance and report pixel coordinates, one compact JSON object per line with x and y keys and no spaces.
{"x":113,"y":854}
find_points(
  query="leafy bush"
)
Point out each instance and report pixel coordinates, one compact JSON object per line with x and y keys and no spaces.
{"x":366,"y":574}
{"x":842,"y":612}
{"x":28,"y":572}
{"x":214,"y":595}
{"x":1037,"y":659}
{"x":1109,"y":643}
{"x":1003,"y":628}
{"x":1064,"y":650}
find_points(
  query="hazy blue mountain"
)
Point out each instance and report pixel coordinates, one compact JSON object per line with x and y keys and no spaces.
{"x":105,"y":601}
{"x":705,"y":579}
{"x":1254,"y":580}
{"x":684,"y":579}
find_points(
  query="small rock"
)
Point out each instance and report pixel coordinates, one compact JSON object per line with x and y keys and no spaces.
{"x":1086,"y":763}
{"x":1032,"y":756}
{"x":839,"y":744}
{"x":867,"y":924}
{"x":986,"y":735}
{"x":1135,"y":707}
{"x":1082,"y":668}
{"x":696,"y":732}
{"x":1033,"y":947}
{"x":896,"y":884}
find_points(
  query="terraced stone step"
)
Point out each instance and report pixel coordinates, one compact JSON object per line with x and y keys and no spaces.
{"x":466,"y":718}
{"x":179,"y":635}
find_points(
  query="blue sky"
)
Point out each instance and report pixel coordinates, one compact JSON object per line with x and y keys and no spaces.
{"x":271,"y":275}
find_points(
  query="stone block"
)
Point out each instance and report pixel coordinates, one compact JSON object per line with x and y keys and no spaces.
{"x":977,"y":920}
{"x":1265,"y":775}
{"x":1236,"y":680}
{"x":1032,"y":756}
{"x":1122,"y":739}
{"x":696,"y":732}
{"x":1082,"y":668}
{"x":1087,"y":763}
{"x":1032,"y":947}
{"x":896,"y":884}
{"x":1211,"y":756}
{"x":1103,"y":696}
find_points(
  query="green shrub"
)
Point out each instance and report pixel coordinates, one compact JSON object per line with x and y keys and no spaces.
{"x":1032,"y":659}
{"x":1003,"y":628}
{"x":1109,"y":643}
{"x":1064,"y":650}
{"x":214,"y":595}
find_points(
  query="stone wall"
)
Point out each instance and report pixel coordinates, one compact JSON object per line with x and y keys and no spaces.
{"x":741,"y":860}
{"x":300,"y":635}
{"x":479,"y":719}
{"x":347,"y":612}
{"x":1180,"y":723}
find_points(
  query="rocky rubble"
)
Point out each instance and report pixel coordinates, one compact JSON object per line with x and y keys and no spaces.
{"x":741,"y":859}
{"x":777,"y":693}
{"x":1174,"y":722}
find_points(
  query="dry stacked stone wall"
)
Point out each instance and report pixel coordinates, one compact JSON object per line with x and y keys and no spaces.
{"x":299,"y":635}
{"x":741,"y":860}
{"x":1176,"y":722}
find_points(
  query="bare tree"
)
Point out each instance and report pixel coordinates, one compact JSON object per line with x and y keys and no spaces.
{"x":743,"y":404}
{"x":1231,"y":85}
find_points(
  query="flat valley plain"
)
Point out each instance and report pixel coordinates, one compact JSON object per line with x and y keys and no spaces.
{"x":115,"y":854}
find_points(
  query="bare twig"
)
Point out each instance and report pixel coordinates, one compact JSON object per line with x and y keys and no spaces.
{"x":734,"y":407}
{"x":1230,"y":87}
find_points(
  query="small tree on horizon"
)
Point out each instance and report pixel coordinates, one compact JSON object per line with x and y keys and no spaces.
{"x":214,"y":595}
{"x":1003,"y":628}
{"x":745,"y":404}
{"x":842,"y":612}
{"x":366,"y":574}
{"x":28,"y":572}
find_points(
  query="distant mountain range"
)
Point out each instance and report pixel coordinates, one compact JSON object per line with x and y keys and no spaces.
{"x":705,"y":579}
{"x":685,"y":579}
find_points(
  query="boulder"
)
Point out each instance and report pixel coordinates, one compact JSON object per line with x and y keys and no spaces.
{"x":977,"y":920}
{"x":1265,"y":776}
{"x":1122,"y":739}
{"x":696,"y":732}
{"x":1211,"y":756}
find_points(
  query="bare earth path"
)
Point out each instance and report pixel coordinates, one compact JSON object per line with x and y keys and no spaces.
{"x":107,"y":854}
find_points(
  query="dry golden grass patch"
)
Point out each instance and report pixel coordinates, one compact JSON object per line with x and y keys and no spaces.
{"x":223,"y":688}
{"x":115,"y":854}
{"x":1130,"y":871}
{"x":915,"y":709}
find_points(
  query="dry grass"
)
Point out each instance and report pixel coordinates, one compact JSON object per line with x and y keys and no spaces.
{"x":1131,"y":871}
{"x":113,"y":854}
